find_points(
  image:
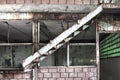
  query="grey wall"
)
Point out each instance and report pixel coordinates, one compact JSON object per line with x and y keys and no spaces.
{"x":110,"y":69}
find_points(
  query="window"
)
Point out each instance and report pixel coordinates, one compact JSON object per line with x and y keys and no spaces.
{"x":15,"y":42}
{"x":22,"y":38}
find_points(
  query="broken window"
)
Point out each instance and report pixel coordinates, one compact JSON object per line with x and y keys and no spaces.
{"x":22,"y":38}
{"x":15,"y":42}
{"x":76,"y":55}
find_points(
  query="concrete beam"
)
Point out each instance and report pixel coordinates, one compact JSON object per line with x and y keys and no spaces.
{"x":47,"y":8}
{"x":111,"y":8}
{"x":41,"y":16}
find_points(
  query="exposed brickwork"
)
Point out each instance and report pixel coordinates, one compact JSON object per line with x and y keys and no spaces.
{"x":86,"y":2}
{"x":14,"y":75}
{"x":67,"y":73}
{"x":94,"y":1}
{"x":20,"y":1}
{"x":53,"y":73}
{"x":70,"y":1}
{"x":28,"y":1}
{"x":45,"y":1}
{"x":2,"y":1}
{"x":37,"y":1}
{"x":10,"y":1}
{"x":54,"y":2}
{"x":62,"y":1}
{"x":78,"y":1}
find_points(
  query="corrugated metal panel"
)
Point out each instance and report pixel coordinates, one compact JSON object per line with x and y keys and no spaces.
{"x":110,"y":46}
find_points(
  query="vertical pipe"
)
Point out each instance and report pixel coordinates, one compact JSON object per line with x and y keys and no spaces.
{"x":33,"y":37}
{"x":36,"y":40}
{"x":97,"y":54}
{"x":68,"y":54}
{"x":38,"y":34}
{"x":34,"y":71}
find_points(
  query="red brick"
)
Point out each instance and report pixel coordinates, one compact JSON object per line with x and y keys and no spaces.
{"x":43,"y":79}
{"x":78,"y":69}
{"x":9,"y":76}
{"x":26,"y":75}
{"x":93,"y":78}
{"x":19,"y":1}
{"x":47,"y":75}
{"x":94,"y":1}
{"x":52,"y":70}
{"x":93,"y":70}
{"x":22,"y":79}
{"x":86,"y":1}
{"x":77,"y":78}
{"x":45,"y":1}
{"x":61,"y":70}
{"x":1,"y":76}
{"x":72,"y":75}
{"x":2,"y":1}
{"x":28,"y":1}
{"x":90,"y":74}
{"x":81,"y":74}
{"x":37,"y":1}
{"x":70,"y":1}
{"x":56,"y":75}
{"x":54,"y":2}
{"x":18,"y":76}
{"x":65,"y":75}
{"x":60,"y":78}
{"x":51,"y":79}
{"x":29,"y":79}
{"x":62,"y":1}
{"x":78,"y":2}
{"x":40,"y":75}
{"x":85,"y":69}
{"x":69,"y":78}
{"x":10,"y":1}
{"x":69,"y":70}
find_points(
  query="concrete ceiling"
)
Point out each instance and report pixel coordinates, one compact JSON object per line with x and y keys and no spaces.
{"x":21,"y":30}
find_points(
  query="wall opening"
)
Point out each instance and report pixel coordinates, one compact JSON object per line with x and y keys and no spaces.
{"x":110,"y":56}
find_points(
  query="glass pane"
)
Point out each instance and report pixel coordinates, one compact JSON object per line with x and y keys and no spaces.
{"x":82,"y":55}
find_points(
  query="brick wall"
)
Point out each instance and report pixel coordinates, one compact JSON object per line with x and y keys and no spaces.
{"x":54,"y":73}
{"x":14,"y":75}
{"x":49,"y":1}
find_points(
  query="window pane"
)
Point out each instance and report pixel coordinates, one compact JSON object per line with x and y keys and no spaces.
{"x":58,"y":58}
{"x":82,"y":55}
{"x":13,"y":56}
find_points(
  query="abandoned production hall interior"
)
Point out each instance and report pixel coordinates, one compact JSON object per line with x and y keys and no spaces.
{"x":59,"y":40}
